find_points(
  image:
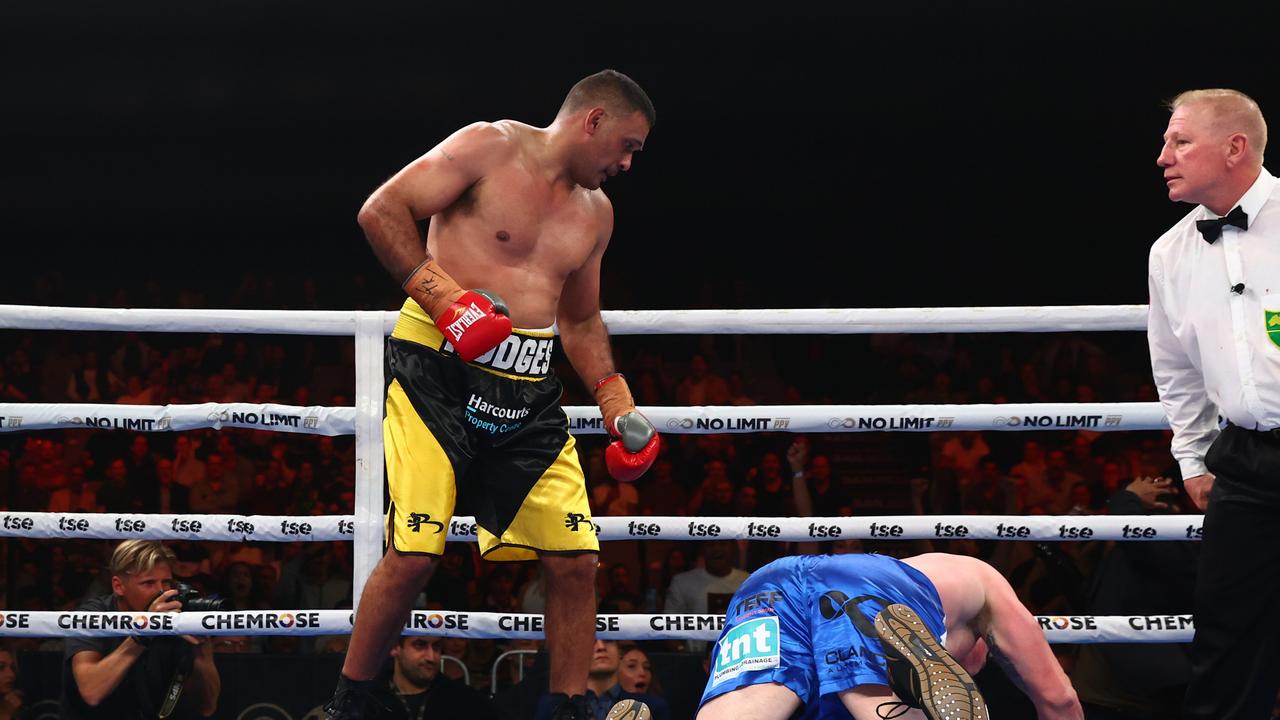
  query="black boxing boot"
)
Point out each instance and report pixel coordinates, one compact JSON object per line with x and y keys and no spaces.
{"x":358,"y":700}
{"x":564,"y":707}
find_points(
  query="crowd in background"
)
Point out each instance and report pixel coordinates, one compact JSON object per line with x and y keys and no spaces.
{"x":764,"y":474}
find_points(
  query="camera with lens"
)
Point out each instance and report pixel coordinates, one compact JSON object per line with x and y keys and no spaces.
{"x":192,"y":601}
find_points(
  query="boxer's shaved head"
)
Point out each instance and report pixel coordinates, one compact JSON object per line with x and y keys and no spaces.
{"x":612,"y":90}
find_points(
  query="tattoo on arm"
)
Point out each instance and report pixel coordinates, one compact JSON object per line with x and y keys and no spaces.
{"x":446,"y":154}
{"x":1006,"y":663}
{"x":427,"y":285}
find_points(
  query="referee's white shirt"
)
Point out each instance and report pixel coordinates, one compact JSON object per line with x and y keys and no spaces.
{"x":1211,"y":353}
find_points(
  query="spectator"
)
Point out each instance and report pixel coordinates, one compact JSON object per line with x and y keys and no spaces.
{"x":305,"y":483}
{"x":143,"y":479}
{"x":270,"y":492}
{"x":116,"y":495}
{"x":737,"y":391}
{"x":11,"y":703}
{"x":966,"y":451}
{"x":659,"y":573}
{"x":174,"y":498}
{"x":991,"y":493}
{"x":714,"y":498}
{"x":88,"y":381}
{"x":603,"y":689}
{"x":813,"y":489}
{"x":138,"y":393}
{"x":635,"y":672}
{"x":264,"y":581}
{"x":1030,"y":382}
{"x":706,"y":589}
{"x":188,"y":470}
{"x":715,"y":447}
{"x":239,"y":588}
{"x":21,"y":380}
{"x":457,"y":570}
{"x":131,"y":356}
{"x":700,"y":386}
{"x":533,"y":594}
{"x":29,"y":495}
{"x":822,"y":487}
{"x":217,"y":494}
{"x":1032,"y":468}
{"x":316,"y":585}
{"x":79,"y":497}
{"x":655,"y":588}
{"x":773,"y":491}
{"x":1051,"y":495}
{"x":420,"y":690}
{"x":238,"y":469}
{"x":1081,"y":461}
{"x":660,"y":494}
{"x":328,"y":460}
{"x":465,"y":652}
{"x":1080,"y":498}
{"x":609,"y":497}
{"x":1112,"y":478}
{"x":194,"y":566}
{"x":620,"y":593}
{"x":500,"y":594}
{"x":233,"y":388}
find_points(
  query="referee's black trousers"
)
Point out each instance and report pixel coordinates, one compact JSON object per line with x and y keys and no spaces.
{"x":1235,"y":657}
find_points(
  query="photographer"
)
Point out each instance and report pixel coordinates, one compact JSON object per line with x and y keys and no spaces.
{"x":129,"y":677}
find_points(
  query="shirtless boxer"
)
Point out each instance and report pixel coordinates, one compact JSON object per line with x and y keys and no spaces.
{"x":472,"y":405}
{"x":808,"y":633}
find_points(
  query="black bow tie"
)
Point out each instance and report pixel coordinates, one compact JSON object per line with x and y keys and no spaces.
{"x":1212,"y":229}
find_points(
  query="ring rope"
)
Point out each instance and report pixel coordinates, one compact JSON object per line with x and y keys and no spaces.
{"x":366,"y":326}
{"x":585,"y":419}
{"x":487,"y":625}
{"x":832,"y":321}
{"x":311,"y":420}
{"x":322,"y":528}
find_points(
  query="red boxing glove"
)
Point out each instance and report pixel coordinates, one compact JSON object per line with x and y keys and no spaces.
{"x":635,"y":450}
{"x":473,"y":321}
{"x":475,"y":324}
{"x":637,"y":444}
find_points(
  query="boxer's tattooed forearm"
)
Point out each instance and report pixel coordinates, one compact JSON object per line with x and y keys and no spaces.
{"x":996,"y":653}
{"x":427,"y":283}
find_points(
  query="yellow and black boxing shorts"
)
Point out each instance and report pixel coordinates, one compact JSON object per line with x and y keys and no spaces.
{"x":488,"y":433}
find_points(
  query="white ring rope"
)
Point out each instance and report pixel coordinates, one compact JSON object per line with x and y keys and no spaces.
{"x":153,"y":526}
{"x":313,"y":420}
{"x":836,"y":321}
{"x":585,"y":419}
{"x":322,"y":528}
{"x":1057,"y":628}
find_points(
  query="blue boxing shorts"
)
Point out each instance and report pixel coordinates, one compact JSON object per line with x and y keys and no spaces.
{"x":793,"y":622}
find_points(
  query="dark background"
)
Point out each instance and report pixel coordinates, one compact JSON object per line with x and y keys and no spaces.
{"x":896,"y":154}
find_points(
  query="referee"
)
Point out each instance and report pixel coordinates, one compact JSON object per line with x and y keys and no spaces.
{"x":1214,"y":332}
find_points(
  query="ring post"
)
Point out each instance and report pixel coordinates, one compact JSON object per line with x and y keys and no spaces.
{"x":367,"y":549}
